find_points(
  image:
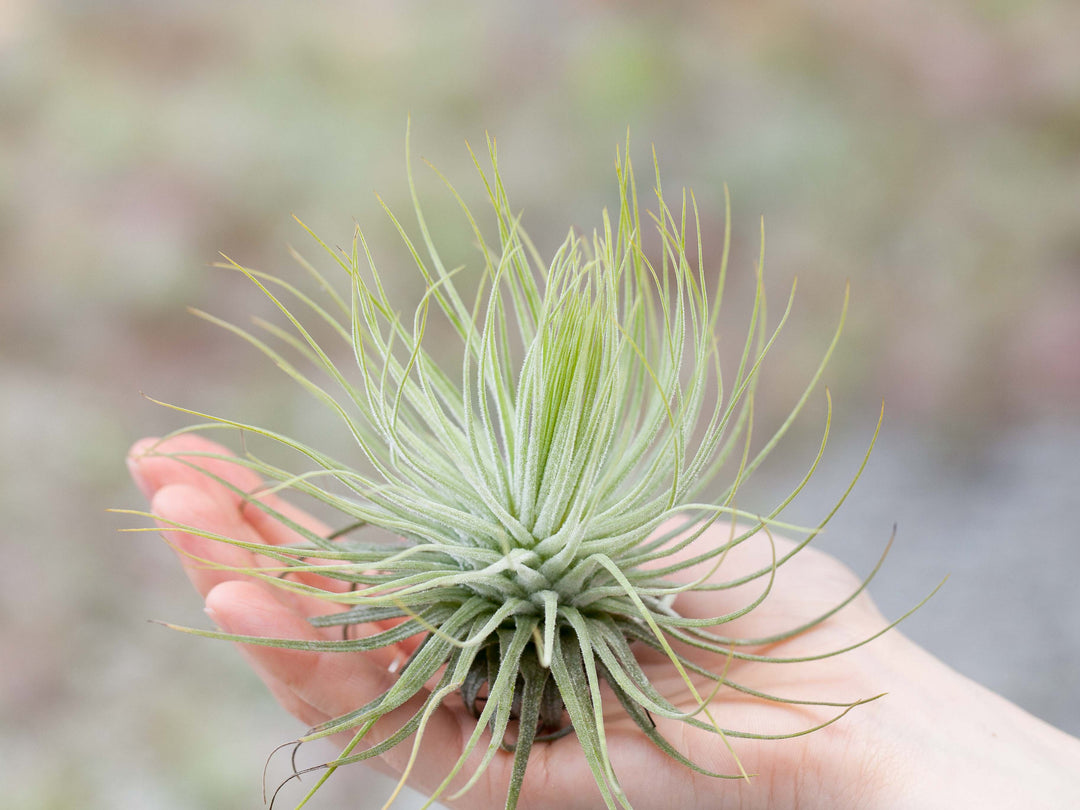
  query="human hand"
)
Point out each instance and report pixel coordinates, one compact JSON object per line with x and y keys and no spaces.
{"x":936,"y":740}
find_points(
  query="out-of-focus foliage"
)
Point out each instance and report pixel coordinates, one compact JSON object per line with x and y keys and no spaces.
{"x":928,"y":151}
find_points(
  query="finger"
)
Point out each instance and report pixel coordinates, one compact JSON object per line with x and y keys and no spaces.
{"x":186,"y":459}
{"x":191,"y":460}
{"x":207,"y":561}
{"x":317,"y":686}
{"x":274,"y":519}
{"x":278,"y":533}
{"x":263,"y":512}
{"x":181,"y":504}
{"x":330,"y":682}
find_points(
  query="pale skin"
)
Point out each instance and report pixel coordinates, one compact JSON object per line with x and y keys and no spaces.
{"x":935,"y":740}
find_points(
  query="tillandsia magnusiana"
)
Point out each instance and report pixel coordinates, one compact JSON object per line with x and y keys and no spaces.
{"x":545,"y":500}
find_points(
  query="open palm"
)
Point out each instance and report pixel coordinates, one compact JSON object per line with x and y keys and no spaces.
{"x":812,"y":770}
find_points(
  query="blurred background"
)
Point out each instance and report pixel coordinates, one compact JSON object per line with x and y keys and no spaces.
{"x":928,"y":152}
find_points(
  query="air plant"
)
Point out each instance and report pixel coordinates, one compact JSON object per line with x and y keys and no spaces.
{"x":545,"y":498}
